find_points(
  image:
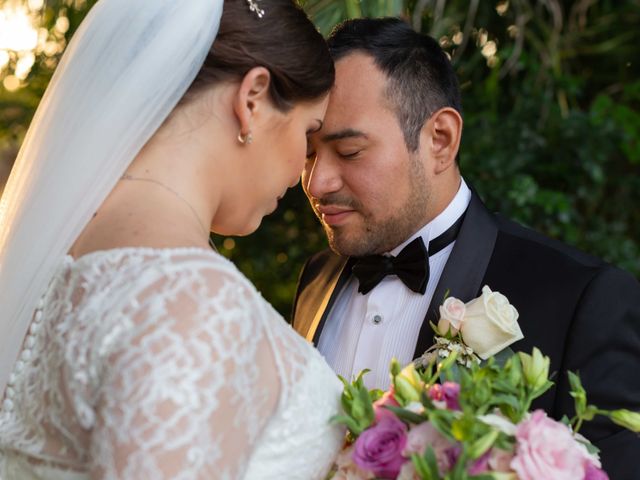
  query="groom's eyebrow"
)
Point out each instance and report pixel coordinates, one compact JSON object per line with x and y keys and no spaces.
{"x":346,"y":133}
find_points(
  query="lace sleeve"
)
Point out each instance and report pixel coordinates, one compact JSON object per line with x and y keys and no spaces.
{"x":190,"y":384}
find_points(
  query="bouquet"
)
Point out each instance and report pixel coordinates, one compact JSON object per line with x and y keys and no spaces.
{"x":462,"y":411}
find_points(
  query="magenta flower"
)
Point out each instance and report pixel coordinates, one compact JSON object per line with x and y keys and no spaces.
{"x":480,"y":465}
{"x":592,"y":472}
{"x":453,"y":454}
{"x":379,"y":449}
{"x":448,"y":393}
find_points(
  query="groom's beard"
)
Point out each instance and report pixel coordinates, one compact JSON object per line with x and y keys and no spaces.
{"x":378,"y":230}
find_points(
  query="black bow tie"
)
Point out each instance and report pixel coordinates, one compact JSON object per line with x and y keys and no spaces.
{"x":411,"y":265}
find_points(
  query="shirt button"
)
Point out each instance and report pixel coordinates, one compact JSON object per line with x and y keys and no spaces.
{"x":377,"y":319}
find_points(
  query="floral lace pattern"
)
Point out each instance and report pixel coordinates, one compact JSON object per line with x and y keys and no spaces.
{"x":164,"y":363}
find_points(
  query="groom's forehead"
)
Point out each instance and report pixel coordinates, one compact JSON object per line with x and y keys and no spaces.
{"x":358,"y":81}
{"x":352,"y":118}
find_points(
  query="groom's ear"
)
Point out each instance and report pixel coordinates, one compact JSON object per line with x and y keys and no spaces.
{"x":251,"y":97}
{"x":443,"y":132}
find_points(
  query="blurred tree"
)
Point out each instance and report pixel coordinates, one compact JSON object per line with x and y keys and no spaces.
{"x":551,"y":93}
{"x":45,"y":29}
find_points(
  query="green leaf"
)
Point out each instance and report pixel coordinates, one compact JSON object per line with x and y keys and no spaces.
{"x":406,"y":415}
{"x":503,"y":356}
{"x":430,"y":457}
{"x":578,"y":393}
{"x":505,"y":399}
{"x":442,"y":422}
{"x":364,"y":397}
{"x":426,"y":465}
{"x":575,"y":383}
{"x":349,"y":422}
{"x":591,"y":448}
{"x":502,"y":385}
{"x":589,"y":412}
{"x":375,"y":394}
{"x":422,"y":467}
{"x":483,"y":444}
{"x":540,"y":391}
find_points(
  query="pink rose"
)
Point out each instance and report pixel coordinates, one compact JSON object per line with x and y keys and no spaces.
{"x":448,"y":393}
{"x":425,"y":435}
{"x":547,"y":449}
{"x":379,"y":448}
{"x":451,"y":316}
{"x":386,"y":399}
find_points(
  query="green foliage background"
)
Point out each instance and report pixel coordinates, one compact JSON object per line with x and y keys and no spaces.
{"x":552,"y":123}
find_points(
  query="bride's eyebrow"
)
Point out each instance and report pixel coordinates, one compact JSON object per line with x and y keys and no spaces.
{"x":319,"y":127}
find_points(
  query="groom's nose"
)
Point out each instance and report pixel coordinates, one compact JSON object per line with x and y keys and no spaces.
{"x":321,"y":176}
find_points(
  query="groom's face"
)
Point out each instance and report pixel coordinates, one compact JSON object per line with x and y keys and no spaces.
{"x":368,"y":190}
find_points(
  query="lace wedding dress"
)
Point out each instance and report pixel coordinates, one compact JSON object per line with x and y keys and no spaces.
{"x":164,"y":363}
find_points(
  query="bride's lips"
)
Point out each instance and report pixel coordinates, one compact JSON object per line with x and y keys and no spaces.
{"x":333,"y":215}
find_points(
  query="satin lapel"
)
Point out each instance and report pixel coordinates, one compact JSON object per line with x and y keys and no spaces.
{"x":327,"y":302}
{"x":465,"y":269}
{"x":317,"y":297}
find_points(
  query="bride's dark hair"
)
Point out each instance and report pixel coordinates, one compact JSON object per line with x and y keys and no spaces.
{"x":284,"y":41}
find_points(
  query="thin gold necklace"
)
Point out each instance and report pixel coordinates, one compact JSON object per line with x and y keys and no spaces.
{"x":126,"y":176}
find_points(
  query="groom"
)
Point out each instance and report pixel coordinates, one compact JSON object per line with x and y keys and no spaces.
{"x":383,"y":178}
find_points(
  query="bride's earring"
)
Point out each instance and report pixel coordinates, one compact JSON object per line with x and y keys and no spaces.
{"x":245,"y":139}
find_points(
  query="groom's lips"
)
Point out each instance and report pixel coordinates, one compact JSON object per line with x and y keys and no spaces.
{"x":332,"y":215}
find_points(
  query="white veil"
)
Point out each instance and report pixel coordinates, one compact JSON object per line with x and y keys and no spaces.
{"x":124,"y":70}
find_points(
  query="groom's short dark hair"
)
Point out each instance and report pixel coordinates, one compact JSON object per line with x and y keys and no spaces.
{"x":421,"y":78}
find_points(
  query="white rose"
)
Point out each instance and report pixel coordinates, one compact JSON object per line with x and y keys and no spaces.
{"x":490,"y":324}
{"x":451,"y":316}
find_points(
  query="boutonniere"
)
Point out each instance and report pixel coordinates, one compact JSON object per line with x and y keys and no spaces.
{"x":475,"y":331}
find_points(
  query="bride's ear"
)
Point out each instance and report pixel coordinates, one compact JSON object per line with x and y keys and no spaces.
{"x":252,"y":97}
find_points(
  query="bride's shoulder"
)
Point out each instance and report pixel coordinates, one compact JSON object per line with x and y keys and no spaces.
{"x":164,"y":275}
{"x":206,"y":268}
{"x":145,"y":263}
{"x":174,"y":293}
{"x":205,"y":274}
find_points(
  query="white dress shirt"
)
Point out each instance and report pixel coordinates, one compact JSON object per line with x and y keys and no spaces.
{"x":367,"y":331}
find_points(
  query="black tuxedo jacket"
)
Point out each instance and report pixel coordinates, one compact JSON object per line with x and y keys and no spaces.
{"x":581,"y":312}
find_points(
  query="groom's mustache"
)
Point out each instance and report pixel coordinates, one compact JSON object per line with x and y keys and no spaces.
{"x":337,"y":200}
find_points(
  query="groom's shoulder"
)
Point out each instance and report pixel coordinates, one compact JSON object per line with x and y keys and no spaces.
{"x":325,"y":261}
{"x":549,"y":263}
{"x":537,"y":247}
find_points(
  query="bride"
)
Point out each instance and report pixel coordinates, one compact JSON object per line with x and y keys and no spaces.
{"x":150,"y":356}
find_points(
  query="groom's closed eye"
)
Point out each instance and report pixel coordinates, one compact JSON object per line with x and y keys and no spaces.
{"x":349,"y":154}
